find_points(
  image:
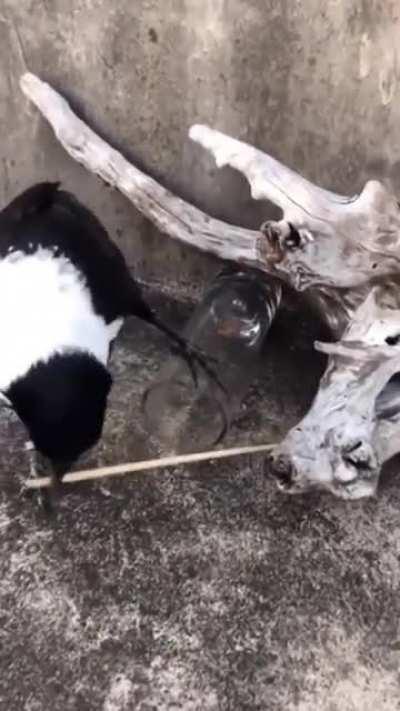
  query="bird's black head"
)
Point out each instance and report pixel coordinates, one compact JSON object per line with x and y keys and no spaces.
{"x":62,"y":403}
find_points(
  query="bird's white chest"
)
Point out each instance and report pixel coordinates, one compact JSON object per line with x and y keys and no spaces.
{"x":46,"y":308}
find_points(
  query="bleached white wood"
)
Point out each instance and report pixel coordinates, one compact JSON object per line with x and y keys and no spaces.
{"x":339,"y":242}
{"x":170,"y":214}
{"x":353,"y":425}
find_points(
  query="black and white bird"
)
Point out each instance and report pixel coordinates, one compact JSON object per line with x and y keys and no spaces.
{"x":65,"y":290}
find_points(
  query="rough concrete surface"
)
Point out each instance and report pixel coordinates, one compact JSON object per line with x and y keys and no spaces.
{"x":201,"y":588}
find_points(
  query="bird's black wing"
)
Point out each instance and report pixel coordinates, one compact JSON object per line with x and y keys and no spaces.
{"x":48,"y":217}
{"x":114,"y":290}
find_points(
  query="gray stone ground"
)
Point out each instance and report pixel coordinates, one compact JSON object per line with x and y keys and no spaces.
{"x":200,"y":589}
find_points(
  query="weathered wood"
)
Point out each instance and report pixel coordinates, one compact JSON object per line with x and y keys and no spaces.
{"x":353,"y":425}
{"x":173,"y":216}
{"x":269,"y":179}
{"x":330,"y":244}
{"x":325,"y":240}
{"x":170,"y":214}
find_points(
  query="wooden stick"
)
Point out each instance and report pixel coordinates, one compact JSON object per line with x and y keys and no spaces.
{"x":129,"y":467}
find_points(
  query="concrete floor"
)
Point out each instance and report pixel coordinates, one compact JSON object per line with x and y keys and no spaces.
{"x":199,"y":589}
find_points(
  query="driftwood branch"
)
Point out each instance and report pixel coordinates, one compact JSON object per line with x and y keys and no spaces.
{"x":353,"y":425}
{"x":170,"y":214}
{"x":330,"y":244}
{"x":324,"y":239}
{"x":269,"y":179}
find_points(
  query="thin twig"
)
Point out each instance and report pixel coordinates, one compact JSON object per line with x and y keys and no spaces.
{"x":102,"y":472}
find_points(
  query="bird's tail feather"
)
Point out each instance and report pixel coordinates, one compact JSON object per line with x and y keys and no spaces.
{"x":192,"y":355}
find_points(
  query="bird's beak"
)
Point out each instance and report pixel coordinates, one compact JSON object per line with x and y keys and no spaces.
{"x":60,"y":467}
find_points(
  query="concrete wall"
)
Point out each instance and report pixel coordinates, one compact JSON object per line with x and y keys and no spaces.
{"x":315,"y":83}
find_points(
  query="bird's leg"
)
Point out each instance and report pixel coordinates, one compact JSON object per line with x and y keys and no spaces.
{"x":41,"y":495}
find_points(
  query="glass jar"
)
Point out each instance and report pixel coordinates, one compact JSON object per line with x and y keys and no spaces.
{"x":228,"y":327}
